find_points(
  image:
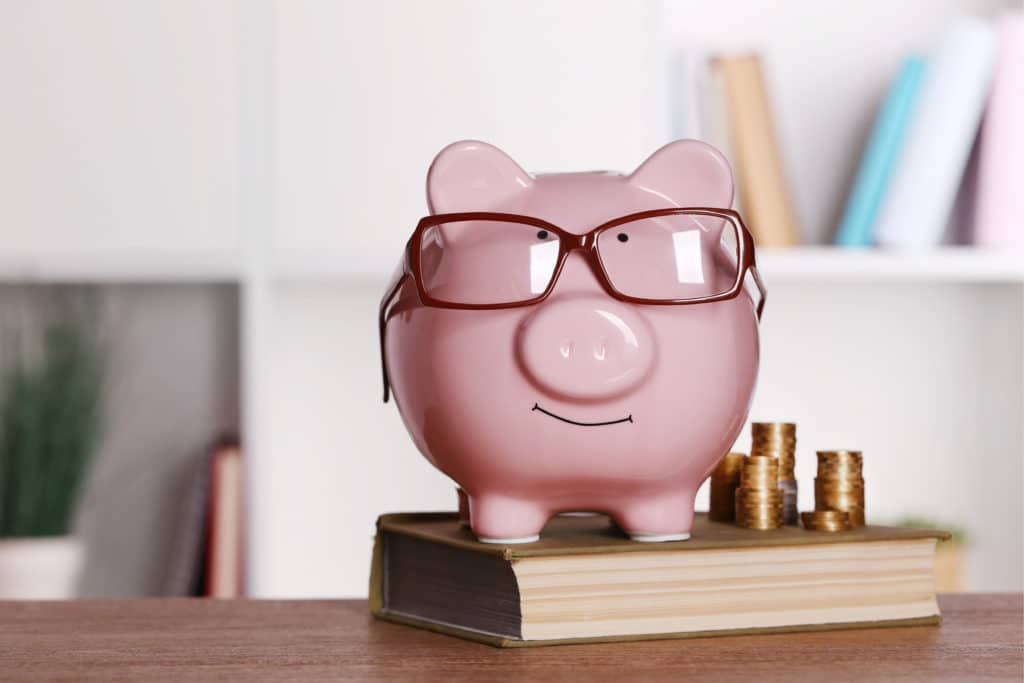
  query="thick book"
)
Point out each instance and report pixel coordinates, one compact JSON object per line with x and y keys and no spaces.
{"x":764,"y":193}
{"x":585,"y":581}
{"x":927,"y":177}
{"x":880,"y":154}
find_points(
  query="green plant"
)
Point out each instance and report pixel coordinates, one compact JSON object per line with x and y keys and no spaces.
{"x":959,"y":535}
{"x":50,"y":417}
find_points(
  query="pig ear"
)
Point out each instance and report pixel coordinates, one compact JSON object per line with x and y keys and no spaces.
{"x":473,"y":176}
{"x":687,"y":173}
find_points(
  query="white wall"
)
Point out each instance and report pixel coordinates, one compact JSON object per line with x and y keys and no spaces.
{"x":366,"y":99}
{"x":117,"y":126}
{"x":367,"y":93}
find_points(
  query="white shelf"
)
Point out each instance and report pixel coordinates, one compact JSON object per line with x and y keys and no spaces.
{"x":943,"y":264}
{"x":799,"y":264}
{"x":107,"y":266}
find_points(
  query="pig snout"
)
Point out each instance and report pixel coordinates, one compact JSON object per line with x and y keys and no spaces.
{"x":586,"y":348}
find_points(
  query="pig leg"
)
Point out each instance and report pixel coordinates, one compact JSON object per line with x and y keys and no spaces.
{"x":499,"y":519}
{"x":668,"y":517}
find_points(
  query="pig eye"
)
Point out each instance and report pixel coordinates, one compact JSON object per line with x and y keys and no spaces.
{"x":623,"y":237}
{"x":542,"y":235}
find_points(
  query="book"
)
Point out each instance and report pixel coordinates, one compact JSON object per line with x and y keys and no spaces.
{"x":999,"y":204}
{"x":688,"y":71}
{"x":699,"y":108}
{"x":224,"y":554}
{"x":880,"y":154}
{"x":714,"y":122}
{"x":764,"y":194}
{"x":586,"y":581}
{"x":186,"y":566}
{"x":931,"y":163}
{"x":187,"y":559}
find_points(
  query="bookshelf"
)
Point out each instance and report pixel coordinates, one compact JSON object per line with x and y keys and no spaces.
{"x":946,"y":264}
{"x":798,"y":264}
{"x":816,"y":263}
{"x":100,"y":267}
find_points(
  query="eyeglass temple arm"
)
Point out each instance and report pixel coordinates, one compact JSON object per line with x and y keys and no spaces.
{"x":760,"y":288}
{"x":748,"y":239}
{"x":401,"y":273}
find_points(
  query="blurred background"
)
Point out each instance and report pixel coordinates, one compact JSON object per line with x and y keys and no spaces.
{"x":204,"y":200}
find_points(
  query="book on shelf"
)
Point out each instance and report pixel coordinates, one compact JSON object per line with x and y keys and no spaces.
{"x":185,"y":567}
{"x":688,"y":73}
{"x":764,"y":193}
{"x":942,"y":131}
{"x":188,"y":559}
{"x":224,"y":553}
{"x":999,"y":216}
{"x":880,"y":154}
{"x":586,"y":581}
{"x":699,"y":107}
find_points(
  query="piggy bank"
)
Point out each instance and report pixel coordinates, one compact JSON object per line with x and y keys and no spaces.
{"x":575,"y":341}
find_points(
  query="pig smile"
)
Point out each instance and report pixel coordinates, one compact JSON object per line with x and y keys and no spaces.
{"x":628,"y":418}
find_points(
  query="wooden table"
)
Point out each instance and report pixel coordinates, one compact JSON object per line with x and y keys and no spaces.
{"x":980,"y":638}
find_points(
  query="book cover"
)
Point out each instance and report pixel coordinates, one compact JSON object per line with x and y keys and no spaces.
{"x":714,"y":122}
{"x":931,"y":164}
{"x":689,"y":70}
{"x":224,"y":555}
{"x":999,"y":216}
{"x":585,"y":581}
{"x":764,"y":193}
{"x":880,"y":154}
{"x":185,"y":575}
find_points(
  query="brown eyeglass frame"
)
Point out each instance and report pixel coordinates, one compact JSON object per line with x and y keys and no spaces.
{"x":567,"y":243}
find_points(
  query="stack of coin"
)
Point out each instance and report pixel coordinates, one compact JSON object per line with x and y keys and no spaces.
{"x":840,"y":484}
{"x":826,"y":520}
{"x":724,"y":481}
{"x":758,"y":498}
{"x":778,"y":440}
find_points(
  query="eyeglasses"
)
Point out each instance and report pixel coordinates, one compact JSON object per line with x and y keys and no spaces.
{"x":488,"y":261}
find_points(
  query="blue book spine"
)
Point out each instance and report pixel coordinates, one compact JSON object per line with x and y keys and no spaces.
{"x":856,"y":228}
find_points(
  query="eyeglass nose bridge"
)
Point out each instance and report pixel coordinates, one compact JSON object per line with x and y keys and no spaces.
{"x":581,"y":242}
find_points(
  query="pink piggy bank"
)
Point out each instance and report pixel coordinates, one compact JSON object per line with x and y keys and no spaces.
{"x":576,"y":341}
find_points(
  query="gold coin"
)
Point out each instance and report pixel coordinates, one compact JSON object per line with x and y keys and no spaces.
{"x":728,"y":468}
{"x":765,"y":428}
{"x":759,"y":472}
{"x":826,"y":520}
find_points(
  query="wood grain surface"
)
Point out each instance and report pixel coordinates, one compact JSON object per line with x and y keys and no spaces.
{"x":182,"y":639}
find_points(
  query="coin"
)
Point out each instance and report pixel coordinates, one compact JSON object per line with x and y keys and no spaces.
{"x":758,"y":499}
{"x":839,"y":485}
{"x":789,"y":500}
{"x":724,"y":480}
{"x":826,"y":520}
{"x":778,"y":440}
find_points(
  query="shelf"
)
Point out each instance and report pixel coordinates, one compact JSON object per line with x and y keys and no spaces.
{"x":334,"y":265}
{"x":375,"y":266}
{"x":943,"y":264}
{"x":798,"y":264}
{"x":114,"y":266}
